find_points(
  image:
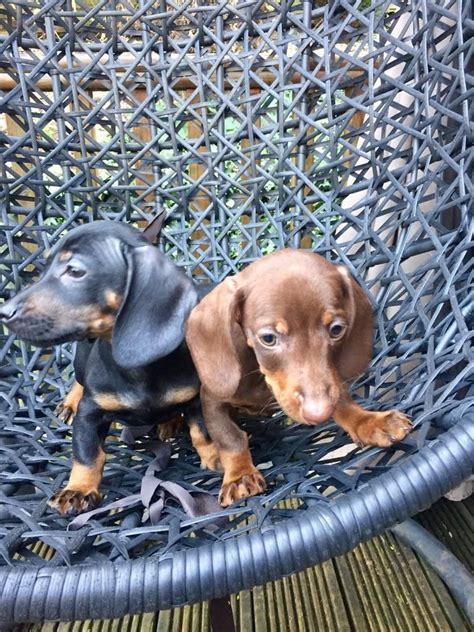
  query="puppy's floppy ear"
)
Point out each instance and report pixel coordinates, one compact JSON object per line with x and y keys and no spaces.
{"x":158,"y":299}
{"x":216,"y":340}
{"x":356,"y":347}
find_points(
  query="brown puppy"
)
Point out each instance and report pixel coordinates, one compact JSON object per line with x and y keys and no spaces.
{"x":291,"y":330}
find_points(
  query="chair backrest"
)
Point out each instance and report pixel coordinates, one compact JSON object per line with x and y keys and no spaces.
{"x":340,"y":127}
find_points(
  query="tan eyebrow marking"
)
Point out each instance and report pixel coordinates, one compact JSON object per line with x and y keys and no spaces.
{"x":65,"y":255}
{"x":281,"y":327}
{"x":327,"y":318}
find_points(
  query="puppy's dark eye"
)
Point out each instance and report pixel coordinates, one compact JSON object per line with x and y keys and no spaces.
{"x":269,"y":340}
{"x":75,"y":273}
{"x":336,"y":329}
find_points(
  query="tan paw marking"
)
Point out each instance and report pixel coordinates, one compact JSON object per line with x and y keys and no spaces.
{"x":209,"y":455}
{"x":66,"y":410}
{"x":248,"y":484}
{"x":381,"y":429}
{"x":72,"y":502}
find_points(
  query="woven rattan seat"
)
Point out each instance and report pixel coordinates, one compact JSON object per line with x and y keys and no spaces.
{"x":339,"y":127}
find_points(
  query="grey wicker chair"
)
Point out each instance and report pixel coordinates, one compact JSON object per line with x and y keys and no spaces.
{"x":340,"y":127}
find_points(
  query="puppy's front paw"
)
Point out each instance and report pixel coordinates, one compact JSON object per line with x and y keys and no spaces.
{"x":249,"y":483}
{"x":64,"y":412}
{"x":381,"y":429}
{"x":71,"y":502}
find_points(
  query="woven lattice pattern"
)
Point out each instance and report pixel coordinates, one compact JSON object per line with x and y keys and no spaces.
{"x":340,"y":127}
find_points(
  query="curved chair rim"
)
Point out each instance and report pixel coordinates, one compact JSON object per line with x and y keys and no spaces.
{"x":109,"y":590}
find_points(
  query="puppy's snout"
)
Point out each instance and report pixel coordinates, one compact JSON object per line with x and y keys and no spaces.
{"x":8,"y":310}
{"x":315,"y":409}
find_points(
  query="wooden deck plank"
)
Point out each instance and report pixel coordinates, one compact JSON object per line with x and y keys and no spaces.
{"x":244,"y":611}
{"x":359,"y":616}
{"x":381,"y":586}
{"x":259,"y":610}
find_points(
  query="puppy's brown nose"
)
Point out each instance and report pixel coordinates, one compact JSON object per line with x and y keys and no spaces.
{"x":316,"y":410}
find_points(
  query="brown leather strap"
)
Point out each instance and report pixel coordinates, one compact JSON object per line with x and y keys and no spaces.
{"x":154,"y":490}
{"x":153,"y":229}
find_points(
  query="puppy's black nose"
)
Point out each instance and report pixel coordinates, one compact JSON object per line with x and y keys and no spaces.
{"x":8,"y":310}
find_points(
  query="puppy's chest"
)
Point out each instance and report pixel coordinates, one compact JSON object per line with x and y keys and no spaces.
{"x":142,"y":396}
{"x":145,"y":392}
{"x":144,"y":400}
{"x":254,"y":398}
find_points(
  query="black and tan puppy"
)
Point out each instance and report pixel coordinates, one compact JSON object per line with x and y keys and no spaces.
{"x":106,"y":286}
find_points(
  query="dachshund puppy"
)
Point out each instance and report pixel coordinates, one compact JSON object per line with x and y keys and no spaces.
{"x":107,"y":287}
{"x":290,"y":330}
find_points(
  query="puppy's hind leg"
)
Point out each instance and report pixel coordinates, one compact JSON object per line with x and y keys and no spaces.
{"x":204,"y":446}
{"x":200,"y":438}
{"x":171,"y":428}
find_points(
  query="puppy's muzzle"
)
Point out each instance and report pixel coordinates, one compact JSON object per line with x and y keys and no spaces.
{"x":9,"y":311}
{"x":317,"y":411}
{"x":315,"y":408}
